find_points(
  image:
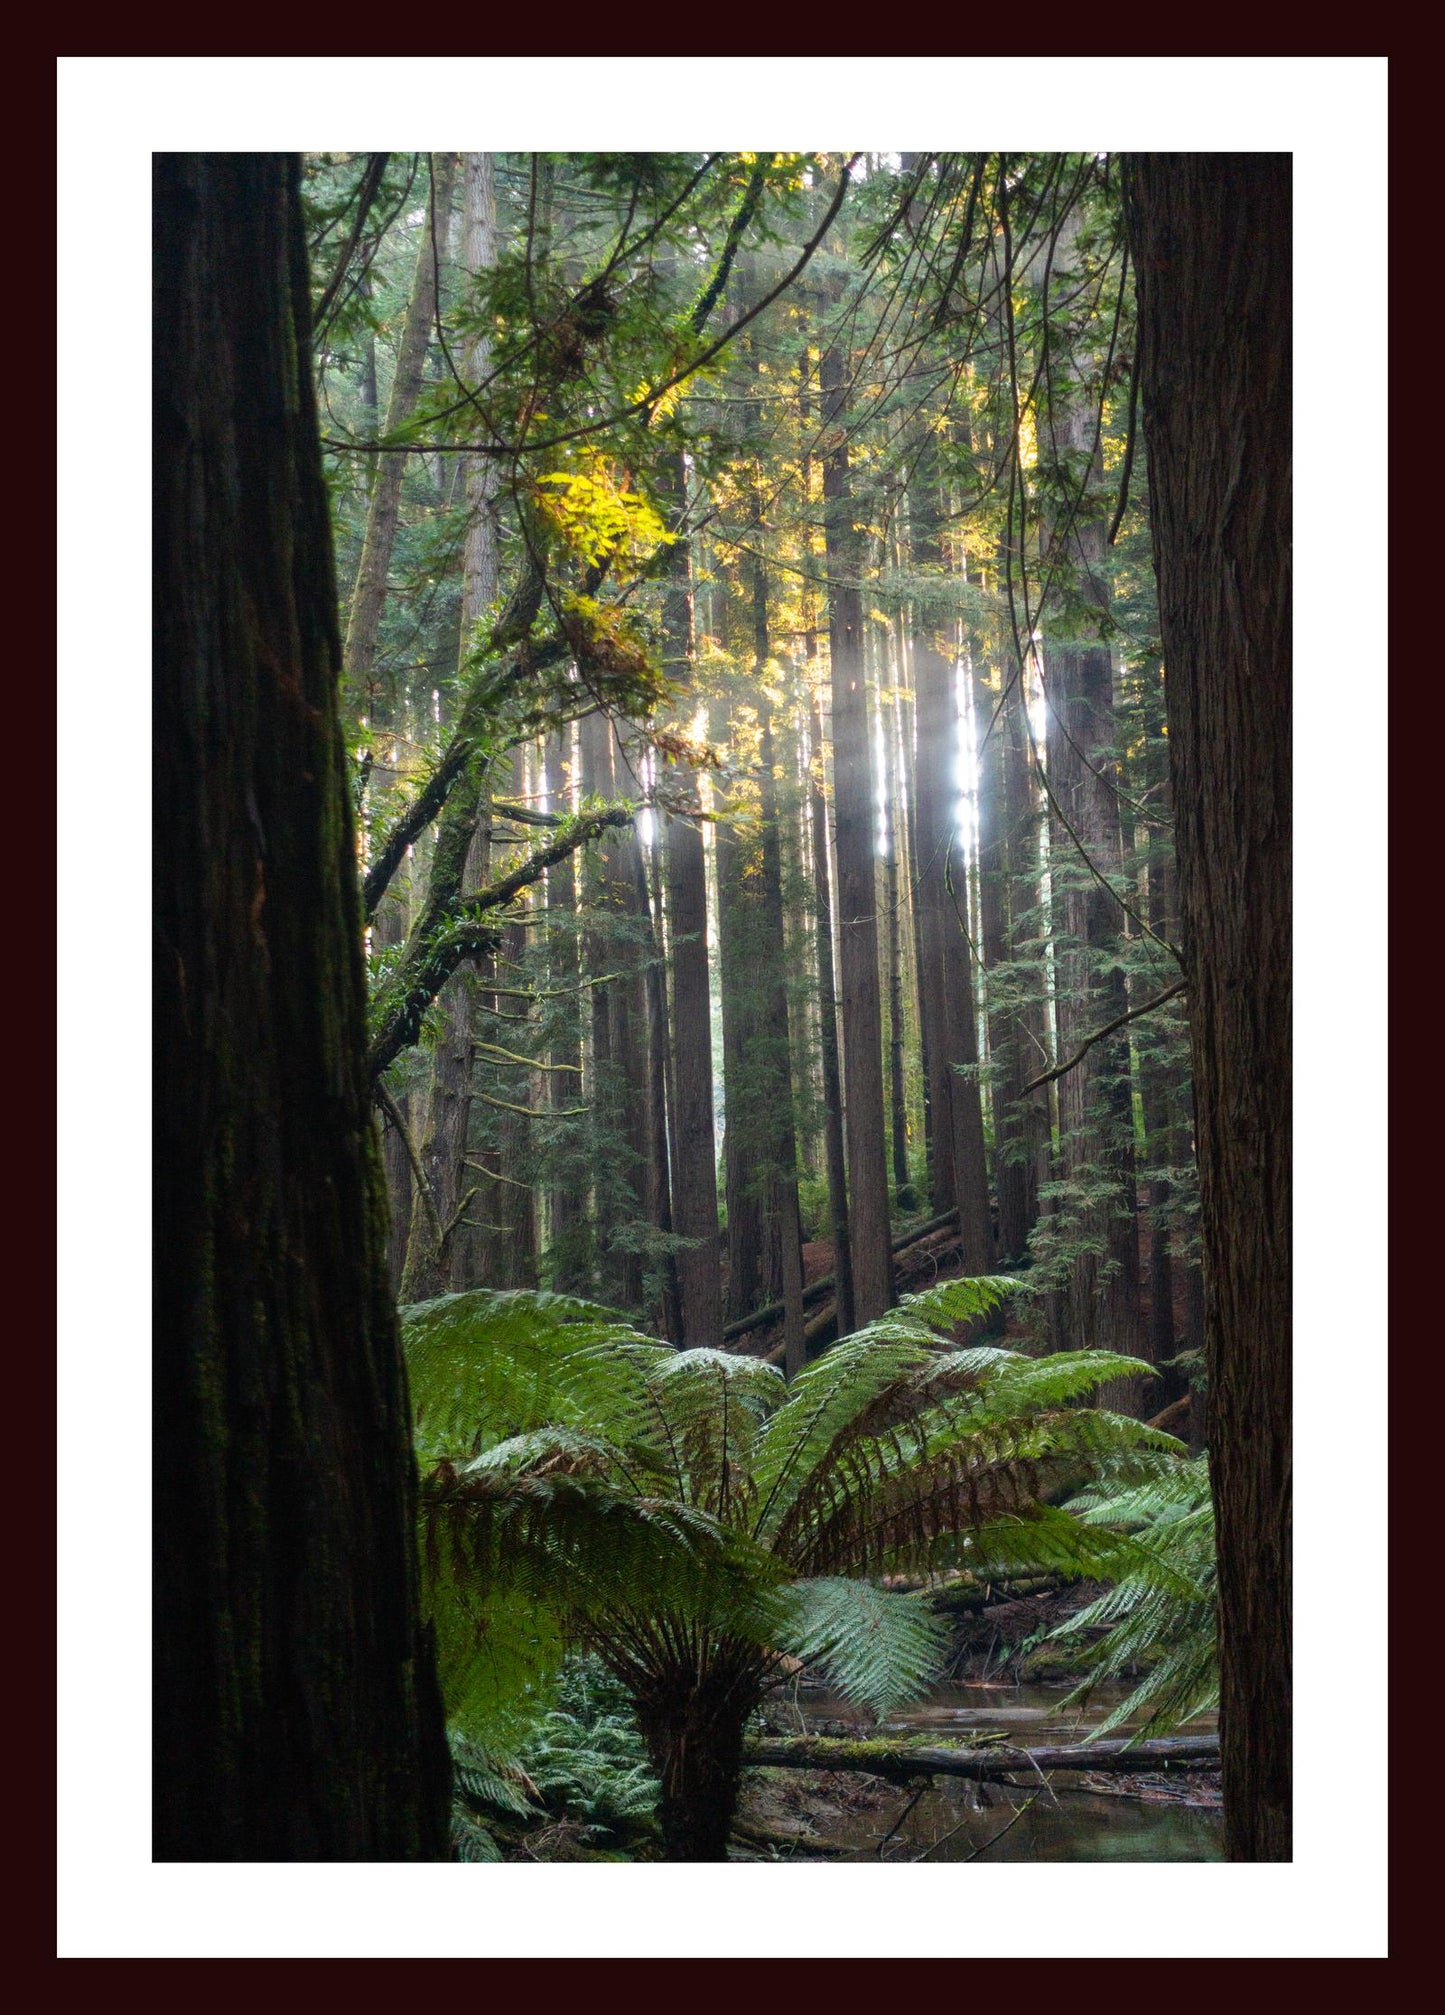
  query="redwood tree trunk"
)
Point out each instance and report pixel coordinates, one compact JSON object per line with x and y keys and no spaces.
{"x":1212,"y":244}
{"x":368,"y":595}
{"x":828,"y":1026}
{"x":863,"y":1123}
{"x":296,"y":1716}
{"x":1096,"y":1114}
{"x":690,"y":1113}
{"x":694,"y":1148}
{"x":959,"y":1172}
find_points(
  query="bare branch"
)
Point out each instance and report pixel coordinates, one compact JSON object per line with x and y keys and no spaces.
{"x":1060,"y":1070}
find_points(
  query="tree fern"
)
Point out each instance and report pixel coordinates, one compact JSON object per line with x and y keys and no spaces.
{"x":1161,"y":1610}
{"x":588,"y":1485}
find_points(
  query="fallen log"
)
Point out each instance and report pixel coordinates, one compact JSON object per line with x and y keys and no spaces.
{"x":989,"y":1766}
{"x":816,"y":1290}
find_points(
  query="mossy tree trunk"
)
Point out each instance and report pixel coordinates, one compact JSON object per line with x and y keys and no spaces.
{"x":296,"y":1716}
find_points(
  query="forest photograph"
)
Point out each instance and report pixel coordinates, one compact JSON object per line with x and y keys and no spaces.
{"x":722,"y":1081}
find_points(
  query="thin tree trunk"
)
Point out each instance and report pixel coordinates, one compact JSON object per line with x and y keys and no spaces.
{"x":368,"y":595}
{"x":893,"y":955}
{"x":1096,"y":1112}
{"x":508,"y":1251}
{"x":296,"y":1716}
{"x":566,"y":1211}
{"x":1014,"y":1152}
{"x":610,"y":1180}
{"x":1026,"y":1043}
{"x":658,"y":1199}
{"x":622,"y":854}
{"x":439,"y":1256}
{"x":960,"y":1171}
{"x":828,"y":1006}
{"x":1212,"y":245}
{"x":863,"y":1118}
{"x":784,"y":1229}
{"x":745,"y":1125}
{"x":827,"y":991}
{"x":692,"y":1143}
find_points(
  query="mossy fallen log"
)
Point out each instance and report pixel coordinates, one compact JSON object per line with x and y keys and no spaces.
{"x":989,"y":1765}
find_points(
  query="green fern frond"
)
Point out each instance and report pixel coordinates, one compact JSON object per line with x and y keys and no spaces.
{"x":1161,"y":1611}
{"x":878,"y":1647}
{"x":471,"y":1840}
{"x":490,"y":1777}
{"x":485,"y":1364}
{"x":955,"y":1302}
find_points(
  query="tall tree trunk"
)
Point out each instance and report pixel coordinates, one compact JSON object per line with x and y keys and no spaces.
{"x":622,"y":852}
{"x":368,"y":595}
{"x":893,"y":891}
{"x":693,"y":1141}
{"x":508,"y":1249}
{"x":1212,"y":244}
{"x":296,"y":1716}
{"x":1026,"y":1039}
{"x":870,"y":1238}
{"x":828,"y":1006}
{"x":594,"y":748}
{"x":904,"y":847}
{"x":784,"y":1230}
{"x":566,"y":1206}
{"x":745,"y":1124}
{"x":827,"y":991}
{"x":657,"y":1200}
{"x":438,"y":1254}
{"x":1014,"y":1152}
{"x":1096,"y":1111}
{"x":786,"y":1224}
{"x":959,"y":1177}
{"x":1158,"y":1096}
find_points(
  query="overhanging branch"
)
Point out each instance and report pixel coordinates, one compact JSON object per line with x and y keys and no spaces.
{"x":468,"y":932}
{"x":1133,"y":1014}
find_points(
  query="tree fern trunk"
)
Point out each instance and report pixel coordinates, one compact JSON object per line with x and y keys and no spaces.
{"x":693,"y":1728}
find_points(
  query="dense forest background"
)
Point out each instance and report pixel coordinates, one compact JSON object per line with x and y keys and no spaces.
{"x":849,"y":655}
{"x":691,"y":562}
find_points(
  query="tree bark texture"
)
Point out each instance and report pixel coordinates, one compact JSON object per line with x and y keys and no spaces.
{"x":1212,"y":242}
{"x":296,"y":1716}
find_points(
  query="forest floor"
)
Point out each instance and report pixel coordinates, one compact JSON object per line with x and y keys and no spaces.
{"x":999,"y":1668}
